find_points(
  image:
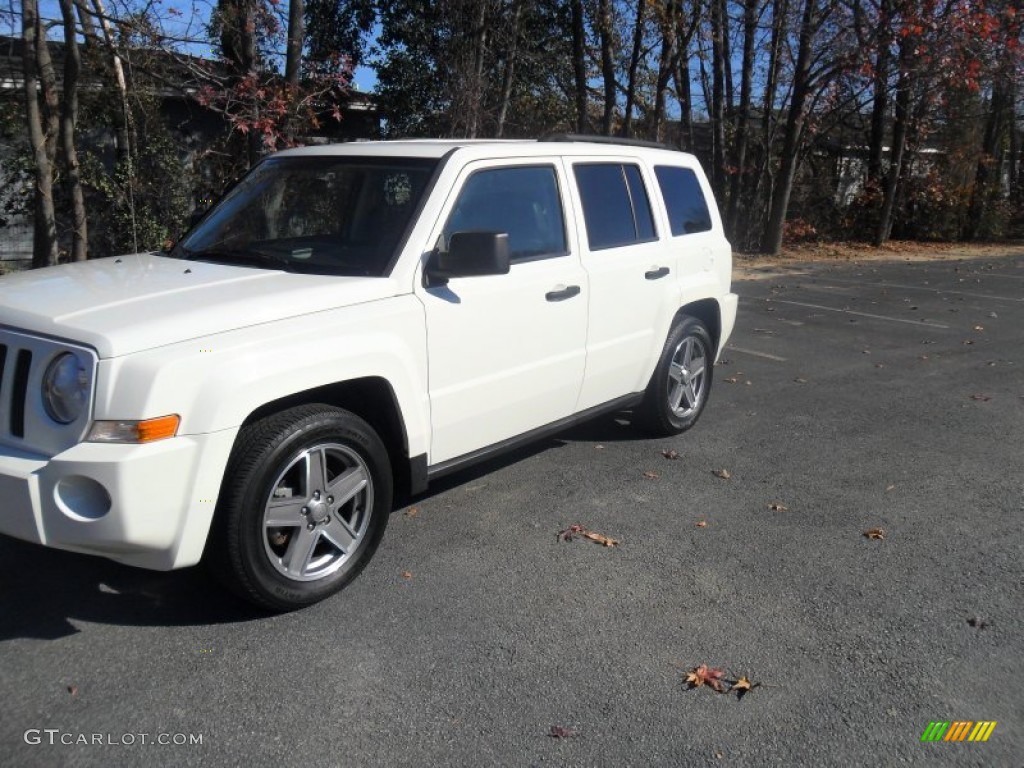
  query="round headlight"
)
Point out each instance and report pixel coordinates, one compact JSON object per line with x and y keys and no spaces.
{"x":65,"y":385}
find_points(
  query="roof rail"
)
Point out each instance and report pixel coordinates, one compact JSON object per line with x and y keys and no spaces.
{"x":605,"y":140}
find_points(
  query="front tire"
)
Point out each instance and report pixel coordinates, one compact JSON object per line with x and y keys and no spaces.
{"x":681,"y":383}
{"x":304,"y":503}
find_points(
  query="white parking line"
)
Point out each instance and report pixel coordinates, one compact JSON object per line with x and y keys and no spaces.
{"x":765,"y":355}
{"x":927,"y":323}
{"x":918,"y":288}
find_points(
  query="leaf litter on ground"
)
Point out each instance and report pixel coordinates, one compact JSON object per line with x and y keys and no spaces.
{"x":576,"y":529}
{"x":716,"y":679}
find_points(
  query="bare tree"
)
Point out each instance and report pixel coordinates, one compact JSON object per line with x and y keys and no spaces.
{"x":43,"y":128}
{"x":68,"y":124}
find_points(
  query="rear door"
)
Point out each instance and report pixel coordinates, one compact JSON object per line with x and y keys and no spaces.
{"x":506,"y":352}
{"x":632,"y":289}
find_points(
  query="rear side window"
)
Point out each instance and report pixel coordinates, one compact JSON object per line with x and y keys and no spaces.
{"x":616,"y":208}
{"x":522,"y":201}
{"x":684,"y":199}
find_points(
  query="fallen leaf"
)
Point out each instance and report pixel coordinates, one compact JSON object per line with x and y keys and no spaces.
{"x":966,"y":342}
{"x":598,"y":447}
{"x":578,"y":530}
{"x":977,"y":622}
{"x":979,"y":327}
{"x":670,"y":454}
{"x":875,"y":533}
{"x":712,"y":677}
{"x":800,"y":380}
{"x":879,"y":365}
{"x":922,"y":357}
{"x":412,"y":512}
{"x":73,"y":689}
{"x":722,"y":473}
{"x":561,"y":732}
{"x":651,"y":475}
{"x":730,"y":380}
{"x":982,"y":398}
{"x":776,"y":506}
{"x":747,"y":382}
{"x":406,"y":574}
{"x":743,"y":686}
{"x":889,"y":488}
{"x":702,"y":523}
{"x":600,"y":538}
{"x":992,"y":314}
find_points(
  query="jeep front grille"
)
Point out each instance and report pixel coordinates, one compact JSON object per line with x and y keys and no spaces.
{"x":19,"y":392}
{"x":14,"y":389}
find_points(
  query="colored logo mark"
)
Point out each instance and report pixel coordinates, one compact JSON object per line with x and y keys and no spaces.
{"x":958,"y":730}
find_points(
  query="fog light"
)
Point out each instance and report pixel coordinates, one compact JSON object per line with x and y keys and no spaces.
{"x":81,"y":498}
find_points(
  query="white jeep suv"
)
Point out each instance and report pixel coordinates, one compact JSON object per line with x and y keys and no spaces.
{"x":347,"y":321}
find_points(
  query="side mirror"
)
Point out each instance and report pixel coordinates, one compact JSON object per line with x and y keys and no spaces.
{"x":470,"y":254}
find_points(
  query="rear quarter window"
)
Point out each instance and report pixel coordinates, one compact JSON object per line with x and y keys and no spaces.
{"x":687,"y":207}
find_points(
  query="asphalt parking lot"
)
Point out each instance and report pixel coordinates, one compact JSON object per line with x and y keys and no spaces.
{"x":852,"y":397}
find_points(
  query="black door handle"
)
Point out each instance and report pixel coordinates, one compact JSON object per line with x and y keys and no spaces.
{"x":654,"y":274}
{"x":562,"y":295}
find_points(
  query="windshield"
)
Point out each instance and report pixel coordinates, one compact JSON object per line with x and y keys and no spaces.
{"x":325,"y":214}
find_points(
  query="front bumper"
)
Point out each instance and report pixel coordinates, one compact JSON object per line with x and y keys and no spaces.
{"x":144,"y":505}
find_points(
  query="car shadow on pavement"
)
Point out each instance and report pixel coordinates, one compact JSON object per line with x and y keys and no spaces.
{"x":609,"y":428}
{"x":42,"y":590}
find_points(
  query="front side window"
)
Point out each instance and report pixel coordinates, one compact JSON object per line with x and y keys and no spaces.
{"x":684,"y":200}
{"x":329,"y":215}
{"x":616,"y":208}
{"x":522,"y":202}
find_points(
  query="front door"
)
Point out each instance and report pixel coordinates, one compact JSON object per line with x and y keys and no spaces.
{"x":506,"y":353}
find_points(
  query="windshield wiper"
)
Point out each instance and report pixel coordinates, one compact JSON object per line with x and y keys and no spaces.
{"x":240,"y":256}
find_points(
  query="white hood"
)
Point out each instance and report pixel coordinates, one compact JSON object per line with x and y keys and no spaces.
{"x":126,"y":304}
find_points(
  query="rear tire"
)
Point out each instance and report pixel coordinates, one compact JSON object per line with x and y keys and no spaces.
{"x":681,"y":383}
{"x":303,"y":505}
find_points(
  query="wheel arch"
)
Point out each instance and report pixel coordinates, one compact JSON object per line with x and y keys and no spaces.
{"x":709,"y":313}
{"x":372,"y":399}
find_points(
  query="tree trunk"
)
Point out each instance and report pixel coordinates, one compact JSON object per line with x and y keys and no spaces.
{"x":880,"y":102}
{"x":762,"y":193}
{"x":68,"y":123}
{"x":606,"y":32}
{"x":681,"y":73}
{"x":579,"y":64}
{"x":987,"y":178}
{"x":123,"y":131}
{"x":774,"y":230}
{"x":634,"y":64}
{"x":296,"y":37}
{"x":238,"y":46}
{"x":42,"y":130}
{"x":508,"y":76}
{"x":667,"y":61}
{"x":479,"y":35}
{"x":750,"y":18}
{"x":719,"y":65}
{"x":901,"y":123}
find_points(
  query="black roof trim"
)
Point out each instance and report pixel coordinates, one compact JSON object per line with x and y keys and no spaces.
{"x":607,"y":140}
